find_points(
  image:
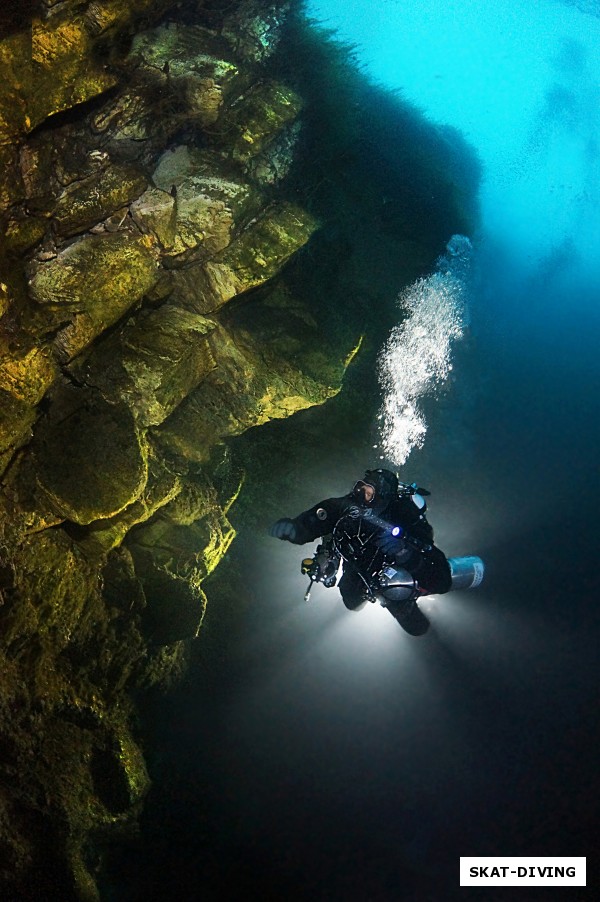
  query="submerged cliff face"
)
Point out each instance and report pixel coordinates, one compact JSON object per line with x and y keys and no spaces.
{"x":156,"y":298}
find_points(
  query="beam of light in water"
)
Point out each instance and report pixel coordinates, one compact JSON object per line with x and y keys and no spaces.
{"x":417,"y":356}
{"x":489,"y":636}
{"x":320,"y":641}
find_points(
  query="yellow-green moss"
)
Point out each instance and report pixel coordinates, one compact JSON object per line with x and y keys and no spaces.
{"x":86,"y":203}
{"x":11,"y":185}
{"x":99,"y":278}
{"x":16,"y":420}
{"x":15,"y":78}
{"x":63,"y":71}
{"x":28,"y":372}
{"x":259,"y":115}
{"x":257,"y":254}
{"x":98,"y":441}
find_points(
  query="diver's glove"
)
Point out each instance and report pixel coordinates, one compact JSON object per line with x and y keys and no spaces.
{"x":284,"y":529}
{"x":392,"y":542}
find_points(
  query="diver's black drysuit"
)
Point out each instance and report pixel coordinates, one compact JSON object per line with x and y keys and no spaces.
{"x":415,"y":551}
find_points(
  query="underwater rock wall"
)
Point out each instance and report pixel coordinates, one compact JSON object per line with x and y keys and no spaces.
{"x":197,"y":229}
{"x":140,"y":161}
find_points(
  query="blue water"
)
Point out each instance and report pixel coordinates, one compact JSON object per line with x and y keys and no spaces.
{"x":329,"y":756}
{"x":521,"y":80}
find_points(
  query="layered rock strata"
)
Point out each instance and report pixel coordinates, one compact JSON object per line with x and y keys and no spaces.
{"x":140,"y":165}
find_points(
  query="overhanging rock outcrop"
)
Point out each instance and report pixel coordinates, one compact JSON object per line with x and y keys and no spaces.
{"x":141,"y":165}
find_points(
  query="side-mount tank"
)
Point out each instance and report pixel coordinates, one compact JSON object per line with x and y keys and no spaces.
{"x":467,"y":572}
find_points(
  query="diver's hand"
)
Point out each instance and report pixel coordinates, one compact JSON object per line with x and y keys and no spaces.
{"x":391,"y":542}
{"x":284,"y":529}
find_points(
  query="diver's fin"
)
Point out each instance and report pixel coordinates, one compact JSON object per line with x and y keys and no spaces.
{"x":410,"y":616}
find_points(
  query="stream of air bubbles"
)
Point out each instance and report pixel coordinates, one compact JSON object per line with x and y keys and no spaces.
{"x":417,"y":356}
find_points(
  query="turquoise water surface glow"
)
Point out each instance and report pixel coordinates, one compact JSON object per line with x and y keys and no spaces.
{"x":521,"y":80}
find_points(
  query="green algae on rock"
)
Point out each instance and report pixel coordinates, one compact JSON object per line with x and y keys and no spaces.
{"x":174,"y":606}
{"x":162,"y":486}
{"x":27,"y":370}
{"x":257,"y":254}
{"x":91,"y":200}
{"x":60,"y":583}
{"x":154,"y":363}
{"x":249,"y":386}
{"x":173,"y":553}
{"x":254,"y":28}
{"x":60,"y":62}
{"x":154,"y":213}
{"x":15,"y":77}
{"x":257,"y":116}
{"x":16,"y":420}
{"x":99,"y":441}
{"x":202,"y":220}
{"x":99,"y":271}
{"x":210,"y":202}
{"x":91,"y":284}
{"x":191,"y":67}
{"x":11,"y":185}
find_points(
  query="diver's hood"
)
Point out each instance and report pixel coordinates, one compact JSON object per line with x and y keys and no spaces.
{"x":385,"y":484}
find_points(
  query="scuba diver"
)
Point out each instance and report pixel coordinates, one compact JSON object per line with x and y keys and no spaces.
{"x":379,"y":534}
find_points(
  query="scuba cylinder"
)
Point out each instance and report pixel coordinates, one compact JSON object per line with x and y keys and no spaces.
{"x":397,"y":584}
{"x":466,"y":572}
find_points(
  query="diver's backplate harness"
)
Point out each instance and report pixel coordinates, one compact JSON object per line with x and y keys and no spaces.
{"x":353,"y":540}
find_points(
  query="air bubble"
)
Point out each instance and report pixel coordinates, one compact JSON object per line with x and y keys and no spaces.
{"x":417,"y":355}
